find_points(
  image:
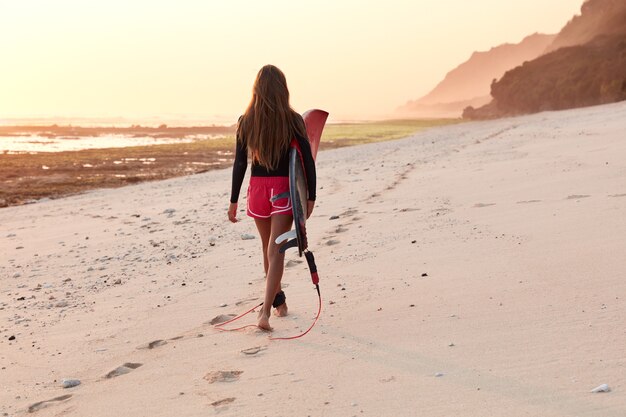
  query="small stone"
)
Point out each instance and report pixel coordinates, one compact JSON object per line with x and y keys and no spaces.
{"x":62,"y":303}
{"x":117,"y":281}
{"x":17,"y":275}
{"x":247,"y":236}
{"x":451,"y":344}
{"x":414,"y":241}
{"x":439,"y":374}
{"x":223,"y":305}
{"x":333,"y":217}
{"x":424,"y":274}
{"x":601,"y":388}
{"x":69,"y":383}
{"x":11,"y":337}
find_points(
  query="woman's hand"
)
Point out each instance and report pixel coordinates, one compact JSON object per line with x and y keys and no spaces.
{"x":309,"y":208}
{"x":232,"y":212}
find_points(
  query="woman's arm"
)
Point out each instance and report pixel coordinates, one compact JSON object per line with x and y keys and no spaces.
{"x":240,"y":165}
{"x":309,"y":166}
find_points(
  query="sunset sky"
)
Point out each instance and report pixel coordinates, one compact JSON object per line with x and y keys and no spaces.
{"x":198,"y":58}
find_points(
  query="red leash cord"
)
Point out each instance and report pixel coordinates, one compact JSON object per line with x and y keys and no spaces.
{"x":319,"y":311}
{"x":219,"y":325}
{"x":314,"y":277}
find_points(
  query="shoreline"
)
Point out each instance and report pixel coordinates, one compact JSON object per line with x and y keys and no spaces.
{"x":27,"y":178}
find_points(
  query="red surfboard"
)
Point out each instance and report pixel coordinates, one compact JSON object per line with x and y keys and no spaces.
{"x":298,"y":191}
{"x":315,"y":120}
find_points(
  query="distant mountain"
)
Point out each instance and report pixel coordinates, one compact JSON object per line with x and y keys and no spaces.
{"x":469,"y":83}
{"x":586,"y":66}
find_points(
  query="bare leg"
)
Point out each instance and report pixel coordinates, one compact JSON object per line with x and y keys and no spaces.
{"x":264,"y":228}
{"x":280,"y":225}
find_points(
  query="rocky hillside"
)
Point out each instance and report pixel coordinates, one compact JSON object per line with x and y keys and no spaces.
{"x":586,"y":66}
{"x":469,"y":83}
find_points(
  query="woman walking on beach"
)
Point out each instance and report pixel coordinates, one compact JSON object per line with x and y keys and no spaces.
{"x":264,"y":133}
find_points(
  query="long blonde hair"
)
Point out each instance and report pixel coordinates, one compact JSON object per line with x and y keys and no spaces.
{"x":269,"y":122}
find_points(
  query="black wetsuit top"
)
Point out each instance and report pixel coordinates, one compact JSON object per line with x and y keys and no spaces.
{"x":241,"y":164}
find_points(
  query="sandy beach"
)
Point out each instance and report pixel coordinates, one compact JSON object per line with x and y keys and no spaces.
{"x":473,"y":270}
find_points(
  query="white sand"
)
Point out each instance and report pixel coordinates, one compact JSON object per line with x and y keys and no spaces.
{"x":519,"y":224}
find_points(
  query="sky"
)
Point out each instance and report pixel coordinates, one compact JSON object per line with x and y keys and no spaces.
{"x":197,"y":59}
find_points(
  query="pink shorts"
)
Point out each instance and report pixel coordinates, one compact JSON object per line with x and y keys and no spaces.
{"x":260,"y":192}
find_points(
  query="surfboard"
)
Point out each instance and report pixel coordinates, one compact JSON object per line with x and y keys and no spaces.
{"x":298,"y":191}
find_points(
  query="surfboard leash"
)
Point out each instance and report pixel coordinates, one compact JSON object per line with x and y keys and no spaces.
{"x":310,"y":259}
{"x":219,"y":325}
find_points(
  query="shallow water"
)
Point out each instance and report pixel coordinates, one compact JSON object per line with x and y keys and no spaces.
{"x":38,"y":143}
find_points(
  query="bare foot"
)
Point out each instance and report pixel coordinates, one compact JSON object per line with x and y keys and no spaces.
{"x":281,"y":310}
{"x":264,"y":322}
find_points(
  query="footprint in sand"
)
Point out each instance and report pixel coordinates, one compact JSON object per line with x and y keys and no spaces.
{"x":153,"y":344}
{"x":292,"y":262}
{"x":43,"y":404}
{"x":576,"y":196}
{"x":124,"y":369}
{"x":222,"y":376}
{"x":248,"y":300}
{"x":221,"y":319}
{"x":223,"y":402}
{"x":252,"y":350}
{"x":340,"y":229}
{"x":617,"y":195}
